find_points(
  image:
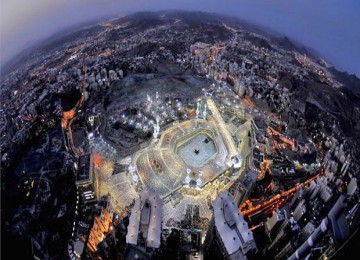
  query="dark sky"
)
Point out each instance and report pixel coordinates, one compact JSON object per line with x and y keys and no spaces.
{"x":331,"y":27}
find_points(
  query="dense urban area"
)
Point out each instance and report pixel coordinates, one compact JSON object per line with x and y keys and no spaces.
{"x":179,"y":135}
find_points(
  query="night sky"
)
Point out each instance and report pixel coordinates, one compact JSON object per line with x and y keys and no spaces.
{"x":330,"y":27}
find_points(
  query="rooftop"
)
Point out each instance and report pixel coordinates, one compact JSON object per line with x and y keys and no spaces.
{"x":146,"y":217}
{"x":84,"y":168}
{"x":232,"y":228}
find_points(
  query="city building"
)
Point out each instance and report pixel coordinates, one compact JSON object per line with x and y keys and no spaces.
{"x":144,"y":229}
{"x":101,"y":226}
{"x":241,"y":189}
{"x":228,"y":236}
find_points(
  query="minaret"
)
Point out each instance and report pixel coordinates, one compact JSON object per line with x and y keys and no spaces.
{"x":204,"y":111}
{"x":156,"y":128}
{"x":197,"y":109}
{"x":91,"y":120}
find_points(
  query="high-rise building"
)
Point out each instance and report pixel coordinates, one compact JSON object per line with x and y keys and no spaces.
{"x":100,"y":228}
{"x":273,"y":223}
{"x":244,"y":187}
{"x":228,"y":236}
{"x":144,"y":228}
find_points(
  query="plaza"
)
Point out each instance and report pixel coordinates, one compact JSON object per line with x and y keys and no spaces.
{"x":197,"y":150}
{"x":164,"y":165}
{"x":187,"y":164}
